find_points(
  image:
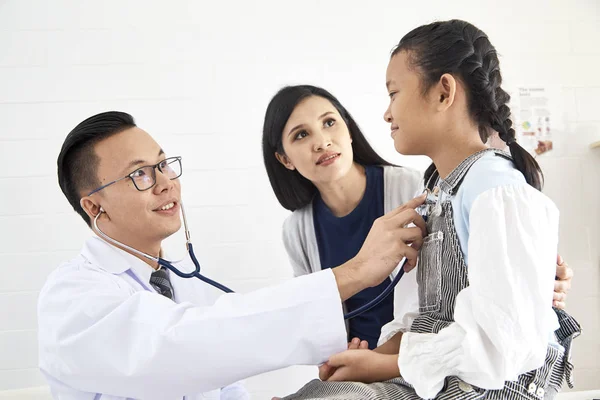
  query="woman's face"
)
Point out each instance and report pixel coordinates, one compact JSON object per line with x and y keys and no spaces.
{"x":317,"y":142}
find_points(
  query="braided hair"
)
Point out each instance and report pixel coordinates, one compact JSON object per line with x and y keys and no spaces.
{"x":461,"y":49}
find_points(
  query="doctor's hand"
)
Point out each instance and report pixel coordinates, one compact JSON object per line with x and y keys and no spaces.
{"x":562,"y":284}
{"x":364,"y":366}
{"x":326,"y":370}
{"x":388,"y":241}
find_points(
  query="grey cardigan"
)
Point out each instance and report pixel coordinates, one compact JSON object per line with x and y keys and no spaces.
{"x":400,"y":184}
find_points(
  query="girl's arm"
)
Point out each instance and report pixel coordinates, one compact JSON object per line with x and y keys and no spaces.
{"x":503,"y":319}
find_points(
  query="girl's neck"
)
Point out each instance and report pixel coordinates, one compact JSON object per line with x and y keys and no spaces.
{"x":448,"y":154}
{"x":343,"y":195}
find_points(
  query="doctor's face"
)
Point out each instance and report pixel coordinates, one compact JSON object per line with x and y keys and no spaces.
{"x":134,"y":217}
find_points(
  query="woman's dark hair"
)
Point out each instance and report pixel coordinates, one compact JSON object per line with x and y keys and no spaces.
{"x":461,"y":49}
{"x":77,"y":162}
{"x":292,"y":189}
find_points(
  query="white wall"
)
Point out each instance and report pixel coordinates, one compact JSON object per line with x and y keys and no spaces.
{"x":198,"y":76}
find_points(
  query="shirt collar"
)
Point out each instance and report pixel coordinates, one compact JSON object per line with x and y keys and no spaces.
{"x":114,"y":260}
{"x":451,"y":183}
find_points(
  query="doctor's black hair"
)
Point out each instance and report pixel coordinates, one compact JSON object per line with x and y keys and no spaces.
{"x":461,"y":49}
{"x":292,"y":189}
{"x":77,"y":162}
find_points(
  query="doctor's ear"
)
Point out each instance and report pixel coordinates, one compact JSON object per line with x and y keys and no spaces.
{"x":285,"y":161}
{"x":90,"y":207}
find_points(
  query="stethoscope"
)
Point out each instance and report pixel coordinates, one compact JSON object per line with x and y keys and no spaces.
{"x":424,"y":210}
{"x":162,"y":262}
{"x":196,"y":273}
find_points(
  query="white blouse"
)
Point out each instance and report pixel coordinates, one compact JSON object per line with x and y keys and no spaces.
{"x":503,"y":320}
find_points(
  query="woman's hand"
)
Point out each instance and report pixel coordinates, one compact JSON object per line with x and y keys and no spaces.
{"x":562,"y":285}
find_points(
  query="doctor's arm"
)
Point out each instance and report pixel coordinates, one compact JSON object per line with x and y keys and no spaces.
{"x":235,"y":391}
{"x":99,"y":337}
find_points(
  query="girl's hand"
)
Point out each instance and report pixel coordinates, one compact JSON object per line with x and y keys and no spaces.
{"x":364,"y":366}
{"x":326,"y":370}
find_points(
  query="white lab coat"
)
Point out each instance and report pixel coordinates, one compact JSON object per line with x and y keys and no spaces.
{"x":104,"y":333}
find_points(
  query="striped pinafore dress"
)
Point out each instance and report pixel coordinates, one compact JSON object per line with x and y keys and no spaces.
{"x":439,"y":284}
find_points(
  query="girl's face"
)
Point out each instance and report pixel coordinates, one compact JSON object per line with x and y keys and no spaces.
{"x":317,"y":142}
{"x":413,"y":116}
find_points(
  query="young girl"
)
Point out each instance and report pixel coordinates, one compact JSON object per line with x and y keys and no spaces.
{"x":322,"y":168}
{"x":484,"y":327}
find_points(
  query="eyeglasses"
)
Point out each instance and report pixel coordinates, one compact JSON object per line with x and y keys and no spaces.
{"x":144,"y":178}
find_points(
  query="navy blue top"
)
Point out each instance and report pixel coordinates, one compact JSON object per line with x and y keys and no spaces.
{"x":340,"y":239}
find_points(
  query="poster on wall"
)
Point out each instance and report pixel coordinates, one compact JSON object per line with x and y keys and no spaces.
{"x":532,"y":118}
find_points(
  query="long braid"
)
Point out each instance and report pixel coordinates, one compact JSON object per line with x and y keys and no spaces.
{"x":459,"y":48}
{"x":491,"y":101}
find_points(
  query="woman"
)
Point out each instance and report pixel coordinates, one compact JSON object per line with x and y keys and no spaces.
{"x":322,"y":168}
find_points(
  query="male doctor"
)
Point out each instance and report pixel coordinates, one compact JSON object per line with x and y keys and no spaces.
{"x":114,"y":326}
